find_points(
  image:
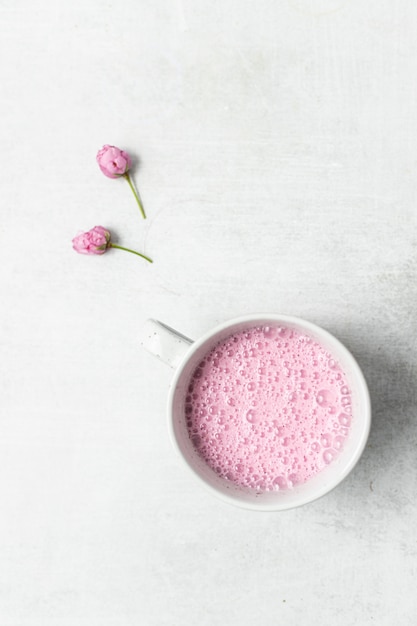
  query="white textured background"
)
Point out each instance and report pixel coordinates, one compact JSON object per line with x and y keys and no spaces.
{"x":276,"y":153}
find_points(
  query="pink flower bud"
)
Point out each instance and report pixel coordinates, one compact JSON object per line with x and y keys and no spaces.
{"x":113,"y":162}
{"x":95,"y":241}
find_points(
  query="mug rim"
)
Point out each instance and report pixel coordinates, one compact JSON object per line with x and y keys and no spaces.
{"x":316,"y":330}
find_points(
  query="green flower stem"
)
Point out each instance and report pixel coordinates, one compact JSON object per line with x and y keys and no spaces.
{"x":114,"y":245}
{"x":135,"y":193}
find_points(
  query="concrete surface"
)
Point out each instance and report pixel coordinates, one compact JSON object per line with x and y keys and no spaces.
{"x":275,"y":152}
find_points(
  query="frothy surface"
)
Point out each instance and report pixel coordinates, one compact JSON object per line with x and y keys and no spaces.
{"x":268,"y":408}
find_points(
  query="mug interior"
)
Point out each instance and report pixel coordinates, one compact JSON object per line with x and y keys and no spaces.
{"x":320,"y":483}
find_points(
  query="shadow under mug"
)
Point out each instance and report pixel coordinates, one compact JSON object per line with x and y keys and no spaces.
{"x":184,"y":355}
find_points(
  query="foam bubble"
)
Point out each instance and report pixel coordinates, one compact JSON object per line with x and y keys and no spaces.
{"x":251,"y":416}
{"x":328,"y":456}
{"x":344,"y":419}
{"x":325,"y":397}
{"x":326,"y":440}
{"x":338,"y":442}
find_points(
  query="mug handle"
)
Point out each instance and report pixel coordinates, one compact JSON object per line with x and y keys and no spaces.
{"x":164,"y":342}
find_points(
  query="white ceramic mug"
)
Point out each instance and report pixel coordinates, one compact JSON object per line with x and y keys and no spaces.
{"x":184,"y":355}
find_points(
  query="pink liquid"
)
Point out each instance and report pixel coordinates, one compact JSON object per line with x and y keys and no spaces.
{"x":268,"y":408}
